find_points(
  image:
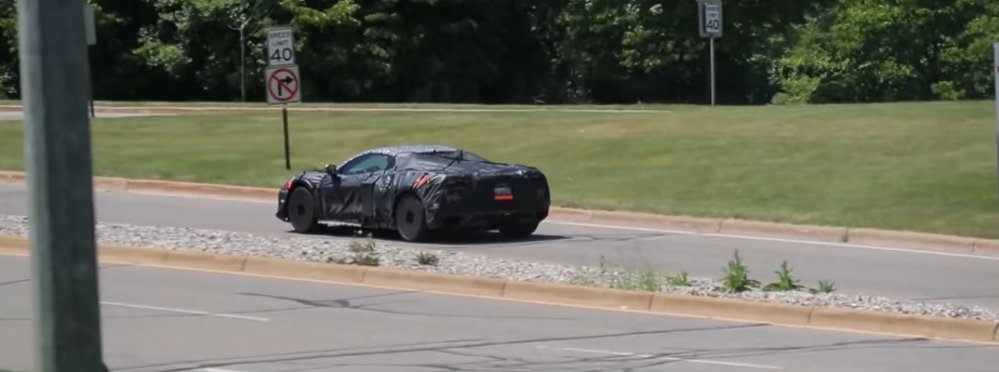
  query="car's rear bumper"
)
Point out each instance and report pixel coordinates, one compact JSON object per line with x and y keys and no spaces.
{"x":481,"y":207}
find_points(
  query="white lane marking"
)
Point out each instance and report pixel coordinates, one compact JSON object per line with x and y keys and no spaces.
{"x":647,"y":356}
{"x":781,"y":240}
{"x":216,"y":370}
{"x":185,"y":311}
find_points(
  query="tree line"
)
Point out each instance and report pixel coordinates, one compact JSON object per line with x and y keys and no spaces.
{"x":540,"y":51}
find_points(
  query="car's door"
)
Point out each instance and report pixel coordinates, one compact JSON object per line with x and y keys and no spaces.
{"x":330,"y":196}
{"x":353,"y":187}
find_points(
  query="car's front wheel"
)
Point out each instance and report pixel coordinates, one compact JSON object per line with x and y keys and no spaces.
{"x":302,"y":211}
{"x":410,"y":219}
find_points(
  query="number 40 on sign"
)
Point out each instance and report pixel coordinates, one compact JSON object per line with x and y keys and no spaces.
{"x":280,"y":47}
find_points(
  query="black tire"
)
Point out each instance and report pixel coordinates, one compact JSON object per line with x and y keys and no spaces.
{"x":411,"y":220}
{"x":520,"y":229}
{"x":302,"y":212}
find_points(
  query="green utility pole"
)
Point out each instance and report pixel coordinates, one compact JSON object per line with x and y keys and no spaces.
{"x":55,"y":88}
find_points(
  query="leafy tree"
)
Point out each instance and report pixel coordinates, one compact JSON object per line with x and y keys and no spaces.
{"x":550,"y":51}
{"x":8,"y":50}
{"x":966,"y":54}
{"x":877,"y":50}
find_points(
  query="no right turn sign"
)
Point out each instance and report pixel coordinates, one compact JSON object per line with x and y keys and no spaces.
{"x":283,"y":85}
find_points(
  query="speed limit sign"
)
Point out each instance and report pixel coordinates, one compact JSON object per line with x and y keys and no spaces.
{"x":280,"y":47}
{"x":710,"y":17}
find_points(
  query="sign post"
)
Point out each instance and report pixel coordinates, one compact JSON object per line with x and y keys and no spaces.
{"x":995,"y":72}
{"x":709,"y":16}
{"x":91,"y":32}
{"x":282,"y":80}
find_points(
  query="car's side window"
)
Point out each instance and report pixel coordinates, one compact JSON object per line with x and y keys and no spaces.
{"x":366,"y":164}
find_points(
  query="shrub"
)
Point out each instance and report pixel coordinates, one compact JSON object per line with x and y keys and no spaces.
{"x":785,"y":282}
{"x":737,"y":276}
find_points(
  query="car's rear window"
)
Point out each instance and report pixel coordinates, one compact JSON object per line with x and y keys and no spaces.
{"x":433,"y":160}
{"x":447,"y":157}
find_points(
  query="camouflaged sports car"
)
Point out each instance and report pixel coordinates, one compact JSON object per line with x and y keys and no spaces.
{"x":416,"y":190}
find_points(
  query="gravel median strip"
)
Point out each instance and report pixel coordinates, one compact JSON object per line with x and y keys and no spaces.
{"x":449,"y":262}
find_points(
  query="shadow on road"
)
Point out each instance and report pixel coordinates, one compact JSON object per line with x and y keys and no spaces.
{"x":440,"y":238}
{"x":486,"y":238}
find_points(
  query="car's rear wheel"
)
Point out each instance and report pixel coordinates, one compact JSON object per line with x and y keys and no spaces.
{"x":519,"y":229}
{"x":302,"y":212}
{"x":410,"y":219}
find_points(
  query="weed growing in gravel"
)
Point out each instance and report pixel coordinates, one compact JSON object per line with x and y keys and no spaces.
{"x":825,"y":286}
{"x":603,"y":265}
{"x":650,"y":281}
{"x":364,"y":254}
{"x":785,"y":282}
{"x":427,"y":259}
{"x":646,"y":280}
{"x":624,"y":281}
{"x":679,"y":280}
{"x":737,"y":276}
{"x":584,"y":281}
{"x":337,"y":260}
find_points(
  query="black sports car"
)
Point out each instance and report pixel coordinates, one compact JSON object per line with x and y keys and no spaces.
{"x":415,"y":190}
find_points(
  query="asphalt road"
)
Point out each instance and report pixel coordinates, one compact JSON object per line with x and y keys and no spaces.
{"x":171,"y":320}
{"x":902,"y":274}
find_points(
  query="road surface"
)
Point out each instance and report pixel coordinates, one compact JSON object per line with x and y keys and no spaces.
{"x":900,"y":274}
{"x":172,"y":320}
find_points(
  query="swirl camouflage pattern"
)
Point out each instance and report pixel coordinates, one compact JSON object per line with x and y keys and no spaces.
{"x":417,"y":190}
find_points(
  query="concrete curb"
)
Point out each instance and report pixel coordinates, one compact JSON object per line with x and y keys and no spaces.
{"x":684,"y":224}
{"x":555,"y":294}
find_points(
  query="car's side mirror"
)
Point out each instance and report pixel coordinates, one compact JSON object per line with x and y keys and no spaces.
{"x":331,"y":169}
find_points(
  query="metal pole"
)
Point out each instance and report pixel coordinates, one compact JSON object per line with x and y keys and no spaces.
{"x":712,"y":47}
{"x":287,"y":151}
{"x":54,"y":81}
{"x":242,"y":62}
{"x":90,"y":72}
{"x":995,"y":72}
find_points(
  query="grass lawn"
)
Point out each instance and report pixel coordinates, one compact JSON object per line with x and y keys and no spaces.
{"x":914,"y":166}
{"x":371,"y":105}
